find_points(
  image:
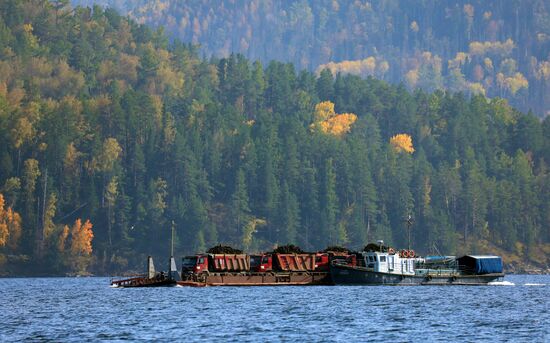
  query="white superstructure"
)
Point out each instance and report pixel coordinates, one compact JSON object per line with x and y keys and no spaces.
{"x":384,"y":262}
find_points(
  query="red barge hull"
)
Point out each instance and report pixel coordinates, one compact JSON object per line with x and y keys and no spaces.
{"x":258,"y":279}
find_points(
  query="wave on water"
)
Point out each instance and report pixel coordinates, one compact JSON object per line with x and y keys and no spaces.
{"x":501,"y":283}
{"x":535,"y":284}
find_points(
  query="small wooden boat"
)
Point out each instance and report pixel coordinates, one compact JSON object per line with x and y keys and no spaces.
{"x":152,"y":278}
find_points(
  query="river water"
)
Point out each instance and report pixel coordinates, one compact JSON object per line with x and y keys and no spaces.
{"x":87,"y":309}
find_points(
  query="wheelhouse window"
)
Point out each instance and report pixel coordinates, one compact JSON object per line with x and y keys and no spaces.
{"x":382,"y":258}
{"x":255,"y":261}
{"x":189,"y":261}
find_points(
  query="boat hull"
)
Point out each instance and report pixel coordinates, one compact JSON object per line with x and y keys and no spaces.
{"x":349,"y":275}
{"x":143,"y":282}
{"x":258,"y":279}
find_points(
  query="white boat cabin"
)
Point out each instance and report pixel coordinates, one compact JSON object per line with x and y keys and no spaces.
{"x":383,"y":262}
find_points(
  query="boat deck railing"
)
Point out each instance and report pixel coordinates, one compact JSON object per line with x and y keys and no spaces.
{"x":436,"y":272}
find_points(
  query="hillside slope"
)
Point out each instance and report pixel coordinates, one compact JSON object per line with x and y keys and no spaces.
{"x":109,"y":132}
{"x":496,"y":48}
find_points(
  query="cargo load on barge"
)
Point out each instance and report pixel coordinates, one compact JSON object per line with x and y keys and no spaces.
{"x":386,"y":266}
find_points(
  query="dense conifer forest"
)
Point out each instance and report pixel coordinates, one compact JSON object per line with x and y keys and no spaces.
{"x":110,"y":132}
{"x":490,"y":47}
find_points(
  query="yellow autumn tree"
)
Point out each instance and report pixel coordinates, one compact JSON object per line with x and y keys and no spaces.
{"x":4,"y":232}
{"x":476,"y":88}
{"x":364,"y":67}
{"x":516,"y":82}
{"x":402,"y":142}
{"x":10,"y":226}
{"x":81,"y":245}
{"x":328,"y":121}
{"x":414,"y":26}
{"x":499,"y":48}
{"x":108,"y":156}
{"x":62,"y":239}
{"x":324,"y":110}
{"x":81,"y":238}
{"x":339,"y":124}
{"x":543,"y":70}
{"x":412,"y":78}
{"x":249,"y":229}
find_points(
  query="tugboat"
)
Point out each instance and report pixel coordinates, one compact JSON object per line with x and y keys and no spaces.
{"x":385,"y":266}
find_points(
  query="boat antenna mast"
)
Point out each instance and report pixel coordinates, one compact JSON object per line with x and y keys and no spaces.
{"x":410,"y":222}
{"x":172,"y":240}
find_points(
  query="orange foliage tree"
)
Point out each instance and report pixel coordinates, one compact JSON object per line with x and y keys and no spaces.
{"x":81,"y":238}
{"x":402,"y":142}
{"x":62,"y":239}
{"x":10,"y":226}
{"x":80,"y":249}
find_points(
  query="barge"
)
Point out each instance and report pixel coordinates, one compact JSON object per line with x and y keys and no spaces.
{"x":387,"y":267}
{"x":272,"y":269}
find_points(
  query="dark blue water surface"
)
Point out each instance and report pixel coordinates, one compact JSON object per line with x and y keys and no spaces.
{"x":87,"y":309}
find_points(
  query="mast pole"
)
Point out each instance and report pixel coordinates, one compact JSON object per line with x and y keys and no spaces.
{"x":410,"y":221}
{"x":172,"y":240}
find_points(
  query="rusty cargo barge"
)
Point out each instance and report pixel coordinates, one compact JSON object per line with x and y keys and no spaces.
{"x":270,"y":269}
{"x":267,"y":269}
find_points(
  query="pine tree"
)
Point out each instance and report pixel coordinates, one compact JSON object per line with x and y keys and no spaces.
{"x":240,"y":212}
{"x":310,"y":234}
{"x":288,"y":217}
{"x":475,"y":203}
{"x":328,"y":205}
{"x":325,"y":85}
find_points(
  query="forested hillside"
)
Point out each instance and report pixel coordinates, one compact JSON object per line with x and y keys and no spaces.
{"x":109,"y":132}
{"x":490,"y":47}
